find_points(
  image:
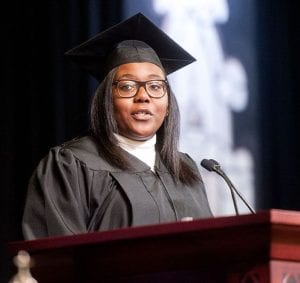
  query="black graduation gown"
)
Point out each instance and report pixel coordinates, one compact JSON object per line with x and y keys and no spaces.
{"x":73,"y":190}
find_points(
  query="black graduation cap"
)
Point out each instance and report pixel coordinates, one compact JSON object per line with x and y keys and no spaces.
{"x":136,"y":39}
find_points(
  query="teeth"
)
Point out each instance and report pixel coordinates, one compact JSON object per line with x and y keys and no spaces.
{"x":143,"y":112}
{"x":142,"y":115}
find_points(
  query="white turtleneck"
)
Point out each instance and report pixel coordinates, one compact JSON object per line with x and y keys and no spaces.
{"x":143,"y":150}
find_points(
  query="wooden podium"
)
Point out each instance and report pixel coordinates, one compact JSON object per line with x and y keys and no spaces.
{"x":264,"y":247}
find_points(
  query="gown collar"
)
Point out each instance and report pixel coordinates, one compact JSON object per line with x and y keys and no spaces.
{"x":143,"y":150}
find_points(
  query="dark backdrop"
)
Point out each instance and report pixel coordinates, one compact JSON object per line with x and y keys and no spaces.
{"x":278,"y":54}
{"x":45,"y":99}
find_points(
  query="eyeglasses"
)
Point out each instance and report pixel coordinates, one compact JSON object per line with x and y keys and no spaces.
{"x":129,"y":88}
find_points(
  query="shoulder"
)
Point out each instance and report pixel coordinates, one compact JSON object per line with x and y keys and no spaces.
{"x":83,"y":150}
{"x":188,"y":159}
{"x":81,"y":146}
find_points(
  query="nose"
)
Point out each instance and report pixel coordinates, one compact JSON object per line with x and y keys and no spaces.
{"x":142,"y":94}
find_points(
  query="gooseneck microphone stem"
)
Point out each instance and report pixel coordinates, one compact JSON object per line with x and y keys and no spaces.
{"x":232,"y":191}
{"x":221,"y":173}
{"x":212,"y":165}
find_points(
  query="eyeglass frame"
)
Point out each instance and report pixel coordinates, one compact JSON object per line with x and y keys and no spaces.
{"x":141,"y":84}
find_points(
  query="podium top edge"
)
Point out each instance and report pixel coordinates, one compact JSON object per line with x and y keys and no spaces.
{"x":265,"y":218}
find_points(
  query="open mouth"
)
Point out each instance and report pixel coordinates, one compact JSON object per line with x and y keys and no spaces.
{"x":142,"y":114}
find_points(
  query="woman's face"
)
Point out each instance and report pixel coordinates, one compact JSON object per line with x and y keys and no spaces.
{"x":139,"y":117}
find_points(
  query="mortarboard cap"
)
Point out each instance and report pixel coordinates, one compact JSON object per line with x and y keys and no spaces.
{"x":136,"y":39}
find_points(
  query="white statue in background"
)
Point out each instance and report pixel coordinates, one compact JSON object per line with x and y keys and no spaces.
{"x":208,"y":91}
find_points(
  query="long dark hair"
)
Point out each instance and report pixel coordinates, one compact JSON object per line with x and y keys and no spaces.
{"x":104,"y":125}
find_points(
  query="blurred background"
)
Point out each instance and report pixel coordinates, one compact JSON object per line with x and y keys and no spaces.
{"x":238,"y":102}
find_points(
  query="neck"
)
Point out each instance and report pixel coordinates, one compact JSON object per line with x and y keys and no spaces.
{"x":143,"y":150}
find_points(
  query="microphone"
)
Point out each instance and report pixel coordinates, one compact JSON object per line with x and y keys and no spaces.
{"x":213,"y":165}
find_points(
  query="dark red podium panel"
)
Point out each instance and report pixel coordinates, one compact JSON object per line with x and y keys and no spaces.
{"x":264,"y":247}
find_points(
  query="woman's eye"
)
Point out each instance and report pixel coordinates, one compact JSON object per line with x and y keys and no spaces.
{"x":126,"y":87}
{"x":156,"y":87}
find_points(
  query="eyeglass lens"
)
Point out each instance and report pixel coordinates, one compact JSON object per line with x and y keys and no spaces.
{"x":129,"y":88}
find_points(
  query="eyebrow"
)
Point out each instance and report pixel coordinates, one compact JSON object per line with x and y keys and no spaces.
{"x":130,"y":76}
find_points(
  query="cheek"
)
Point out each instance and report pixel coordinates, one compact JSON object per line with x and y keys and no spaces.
{"x":163,"y":108}
{"x":120,"y":107}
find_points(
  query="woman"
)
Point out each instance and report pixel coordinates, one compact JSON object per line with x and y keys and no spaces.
{"x":128,"y":171}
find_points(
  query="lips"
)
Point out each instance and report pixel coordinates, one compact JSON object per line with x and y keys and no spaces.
{"x":142,"y":114}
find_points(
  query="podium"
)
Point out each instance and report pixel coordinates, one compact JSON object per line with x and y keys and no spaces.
{"x":262,"y":247}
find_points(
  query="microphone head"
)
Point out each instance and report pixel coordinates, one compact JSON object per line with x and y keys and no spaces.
{"x":215,"y":162}
{"x":211,"y":165}
{"x":208,"y":164}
